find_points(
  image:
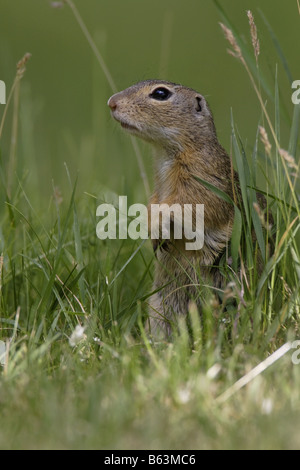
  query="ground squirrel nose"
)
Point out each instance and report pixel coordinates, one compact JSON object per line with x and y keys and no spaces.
{"x":112,"y":103}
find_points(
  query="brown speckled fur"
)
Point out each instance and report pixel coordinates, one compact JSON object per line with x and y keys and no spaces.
{"x":186,"y":146}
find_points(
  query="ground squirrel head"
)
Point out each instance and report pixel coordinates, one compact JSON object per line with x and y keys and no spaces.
{"x":168,"y":115}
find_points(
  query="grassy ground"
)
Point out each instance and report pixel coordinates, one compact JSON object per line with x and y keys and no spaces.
{"x":229,"y":379}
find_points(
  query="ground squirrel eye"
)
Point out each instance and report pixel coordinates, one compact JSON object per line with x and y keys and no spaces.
{"x":161,"y":94}
{"x":198,"y":105}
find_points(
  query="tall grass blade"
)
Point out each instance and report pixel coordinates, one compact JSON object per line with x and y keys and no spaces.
{"x":237,"y":224}
{"x":278,"y":48}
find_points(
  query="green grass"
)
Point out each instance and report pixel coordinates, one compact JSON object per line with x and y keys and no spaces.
{"x":116,"y":388}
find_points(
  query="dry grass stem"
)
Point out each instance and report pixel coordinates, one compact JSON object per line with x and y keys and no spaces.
{"x":254,"y":372}
{"x":110,"y":81}
{"x":21,"y":68}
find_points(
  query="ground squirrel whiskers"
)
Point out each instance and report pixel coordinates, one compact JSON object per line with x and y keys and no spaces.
{"x":178,"y":122}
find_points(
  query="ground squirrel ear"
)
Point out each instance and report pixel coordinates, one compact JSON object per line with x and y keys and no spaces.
{"x":198,"y":104}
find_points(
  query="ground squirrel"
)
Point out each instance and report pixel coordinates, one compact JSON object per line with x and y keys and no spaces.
{"x":180,"y":125}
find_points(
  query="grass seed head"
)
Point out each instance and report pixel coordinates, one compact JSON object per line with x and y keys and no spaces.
{"x":236,"y":50}
{"x":253,"y":31}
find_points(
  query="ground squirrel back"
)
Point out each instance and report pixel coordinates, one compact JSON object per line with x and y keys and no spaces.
{"x":178,"y":122}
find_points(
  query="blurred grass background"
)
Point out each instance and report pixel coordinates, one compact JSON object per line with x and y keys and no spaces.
{"x":64,"y":116}
{"x":115,"y":389}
